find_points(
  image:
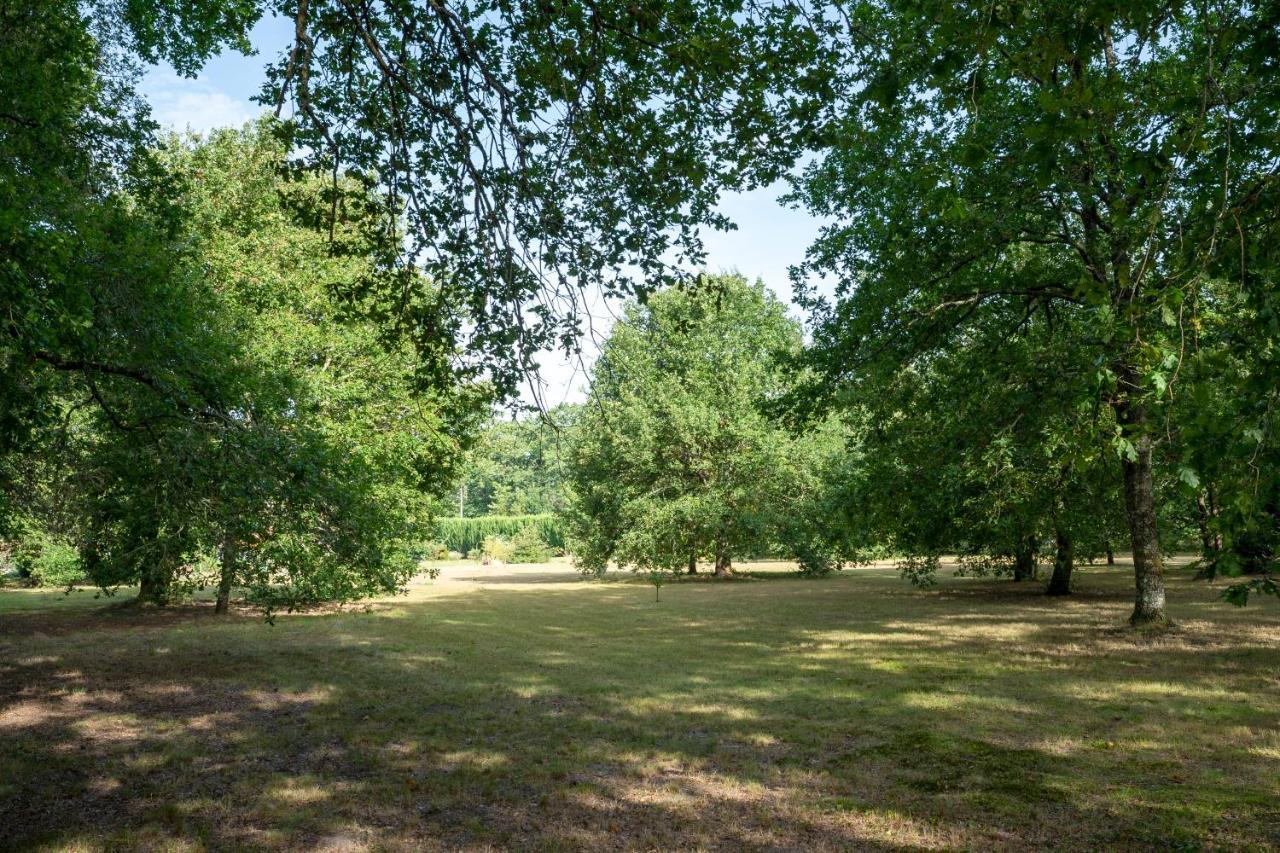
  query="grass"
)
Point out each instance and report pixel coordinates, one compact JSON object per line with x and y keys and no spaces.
{"x":524,"y":708}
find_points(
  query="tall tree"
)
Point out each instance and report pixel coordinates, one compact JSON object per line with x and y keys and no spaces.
{"x":1121,"y":143}
{"x":314,"y":473}
{"x":673,"y":458}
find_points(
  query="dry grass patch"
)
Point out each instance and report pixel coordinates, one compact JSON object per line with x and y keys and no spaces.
{"x":506,"y":707}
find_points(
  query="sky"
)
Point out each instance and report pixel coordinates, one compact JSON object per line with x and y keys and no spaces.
{"x":769,"y":237}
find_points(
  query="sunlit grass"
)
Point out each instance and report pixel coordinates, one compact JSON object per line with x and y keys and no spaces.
{"x":498,"y":707}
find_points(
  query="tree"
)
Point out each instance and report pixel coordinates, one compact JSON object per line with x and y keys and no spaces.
{"x":87,"y":233}
{"x":983,"y":451}
{"x":1120,"y":144}
{"x":312,"y":477}
{"x":673,"y":458}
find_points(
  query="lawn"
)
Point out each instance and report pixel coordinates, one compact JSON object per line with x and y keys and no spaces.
{"x":501,"y":708}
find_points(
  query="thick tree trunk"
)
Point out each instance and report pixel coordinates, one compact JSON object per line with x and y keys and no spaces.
{"x":1111,"y":555}
{"x":1140,"y":504}
{"x":1024,"y":559}
{"x":227,"y":576}
{"x":153,"y":586}
{"x":724,"y":562}
{"x":1063,"y":565}
{"x":693,"y":562}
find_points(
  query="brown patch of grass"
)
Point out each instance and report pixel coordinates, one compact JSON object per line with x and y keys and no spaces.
{"x":514,"y":707}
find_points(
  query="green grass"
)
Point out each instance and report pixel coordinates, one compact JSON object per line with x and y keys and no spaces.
{"x":523,"y":708}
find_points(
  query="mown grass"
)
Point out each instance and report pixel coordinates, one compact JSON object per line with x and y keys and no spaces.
{"x":527,"y":709}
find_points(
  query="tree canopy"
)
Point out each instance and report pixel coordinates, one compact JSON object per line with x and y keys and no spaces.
{"x":1099,"y":163}
{"x":674,"y":457}
{"x":1051,"y":234}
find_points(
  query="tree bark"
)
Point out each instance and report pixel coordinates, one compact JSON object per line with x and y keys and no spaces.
{"x":724,"y":562}
{"x":1210,"y":542}
{"x":153,"y":586}
{"x":693,"y":562}
{"x":227,"y":575}
{"x":1140,"y":505}
{"x":1111,"y":555}
{"x":1063,"y":565}
{"x":1024,"y":559}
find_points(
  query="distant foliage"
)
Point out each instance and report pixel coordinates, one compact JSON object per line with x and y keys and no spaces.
{"x":527,"y":546}
{"x":434,"y":550}
{"x":465,"y":535}
{"x":515,"y":467}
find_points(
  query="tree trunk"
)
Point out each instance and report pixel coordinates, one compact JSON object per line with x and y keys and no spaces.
{"x":1206,"y":512}
{"x":1111,"y":555}
{"x":227,"y":576}
{"x":1202,"y":521}
{"x":1212,"y":496}
{"x":693,"y":561}
{"x":1024,"y":559}
{"x":153,"y":586}
{"x":1063,"y":565}
{"x":1140,"y":505}
{"x":724,"y":563}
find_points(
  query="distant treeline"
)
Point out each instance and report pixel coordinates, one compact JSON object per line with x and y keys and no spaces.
{"x":468,"y":534}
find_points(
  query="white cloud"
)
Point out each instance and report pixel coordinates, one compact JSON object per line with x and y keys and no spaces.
{"x":181,"y":104}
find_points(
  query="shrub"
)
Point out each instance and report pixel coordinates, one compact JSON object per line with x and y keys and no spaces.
{"x":528,"y":547}
{"x":48,"y":562}
{"x":435,"y":550}
{"x":496,"y":548}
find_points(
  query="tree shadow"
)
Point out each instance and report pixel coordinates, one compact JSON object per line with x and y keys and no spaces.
{"x":590,"y":718}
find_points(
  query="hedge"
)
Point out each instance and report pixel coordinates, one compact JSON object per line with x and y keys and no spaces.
{"x":468,"y":534}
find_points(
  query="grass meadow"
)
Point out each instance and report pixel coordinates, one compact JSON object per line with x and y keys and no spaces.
{"x":524,"y":708}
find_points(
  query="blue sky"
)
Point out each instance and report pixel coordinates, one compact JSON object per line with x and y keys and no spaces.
{"x":769,"y":238}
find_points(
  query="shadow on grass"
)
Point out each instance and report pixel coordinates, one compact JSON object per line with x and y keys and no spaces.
{"x":833,"y":715}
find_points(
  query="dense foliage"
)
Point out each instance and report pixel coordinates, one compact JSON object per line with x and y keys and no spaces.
{"x":468,"y":534}
{"x":516,"y":466}
{"x":674,"y":458}
{"x":310,"y":469}
{"x":1110,"y":167}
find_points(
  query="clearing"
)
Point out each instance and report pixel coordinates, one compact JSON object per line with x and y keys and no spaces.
{"x":508,"y":707}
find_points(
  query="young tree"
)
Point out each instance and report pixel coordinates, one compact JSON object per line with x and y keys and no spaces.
{"x":673,"y":458}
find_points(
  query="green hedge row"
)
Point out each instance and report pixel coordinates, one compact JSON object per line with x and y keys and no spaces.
{"x":467,"y":534}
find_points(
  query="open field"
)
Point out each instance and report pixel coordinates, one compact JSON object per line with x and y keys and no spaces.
{"x":525,"y":708}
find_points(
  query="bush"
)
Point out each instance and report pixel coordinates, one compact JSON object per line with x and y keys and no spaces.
{"x":434,"y":550}
{"x":528,"y":547}
{"x":48,"y":562}
{"x":496,"y":548}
